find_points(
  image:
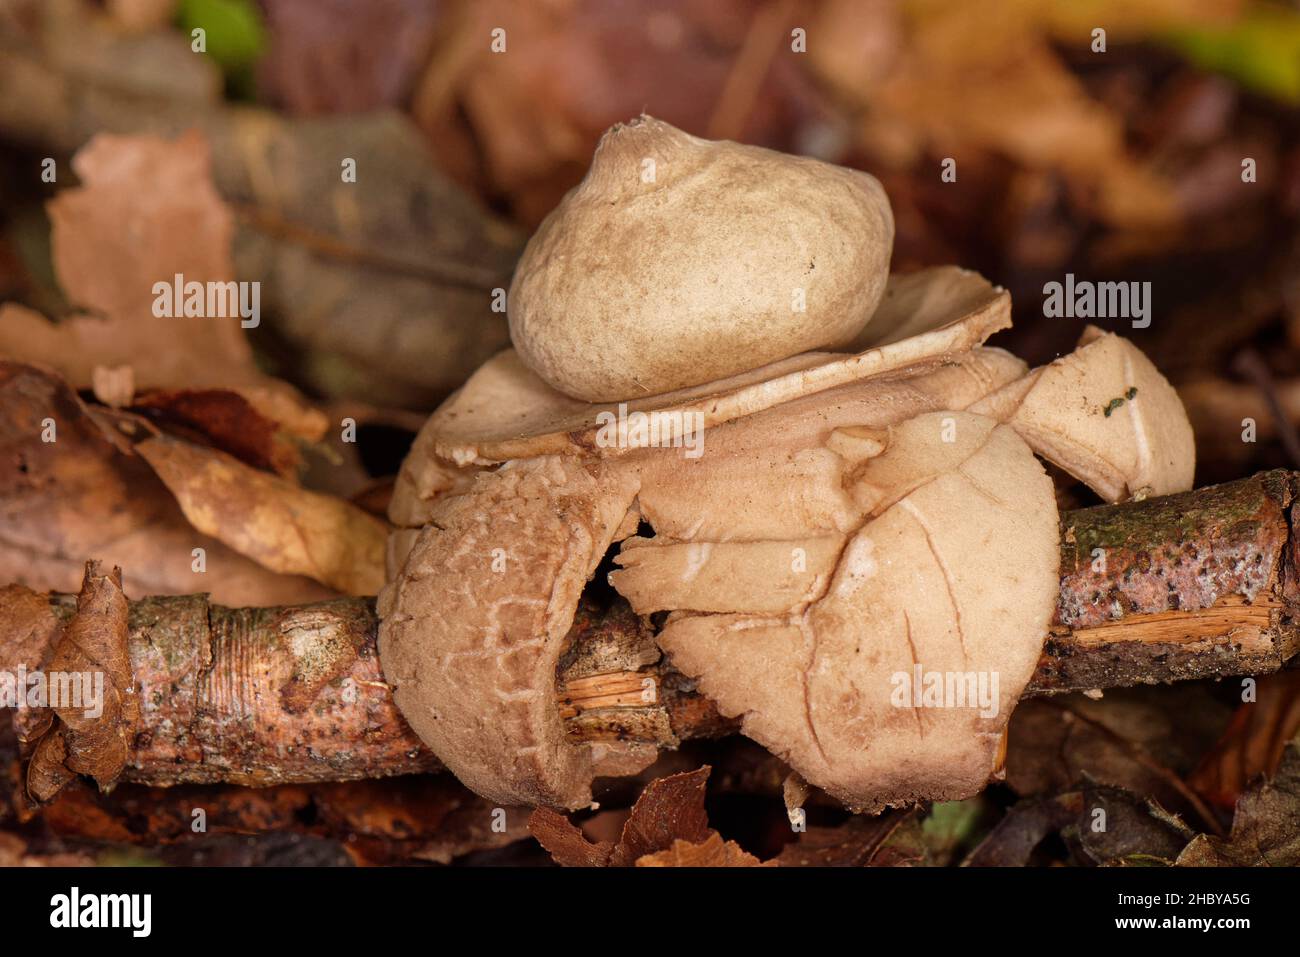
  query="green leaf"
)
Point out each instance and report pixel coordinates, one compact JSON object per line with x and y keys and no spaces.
{"x":952,"y":826}
{"x":1261,"y":51}
{"x":235,"y":36}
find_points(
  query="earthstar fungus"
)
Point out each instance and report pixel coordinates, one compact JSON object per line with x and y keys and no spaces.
{"x":861,"y":560}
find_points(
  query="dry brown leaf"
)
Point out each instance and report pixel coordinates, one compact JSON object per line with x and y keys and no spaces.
{"x":1143,"y":742}
{"x":28,"y":627}
{"x":713,"y":851}
{"x":146,"y":212}
{"x":279,"y":525}
{"x":90,"y":736}
{"x":565,"y":842}
{"x":82,"y":495}
{"x":669,"y":809}
{"x":1136,"y":831}
{"x":226,"y":420}
{"x":48,"y":772}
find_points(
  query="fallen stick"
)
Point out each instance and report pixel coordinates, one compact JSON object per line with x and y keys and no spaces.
{"x":1187,"y":586}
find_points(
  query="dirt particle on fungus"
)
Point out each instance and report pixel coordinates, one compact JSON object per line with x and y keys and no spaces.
{"x":1119,"y":400}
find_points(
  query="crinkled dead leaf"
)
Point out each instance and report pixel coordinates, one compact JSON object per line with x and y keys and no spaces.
{"x":565,"y":842}
{"x":92,"y":734}
{"x":29,"y":633}
{"x":713,"y":851}
{"x":28,"y":627}
{"x":1265,"y":828}
{"x":1135,"y":831}
{"x":47,"y":771}
{"x":75,"y":492}
{"x":669,"y":809}
{"x":147,"y":212}
{"x":279,"y":525}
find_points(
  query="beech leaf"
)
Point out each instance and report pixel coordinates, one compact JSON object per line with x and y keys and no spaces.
{"x":279,"y":525}
{"x":713,"y":851}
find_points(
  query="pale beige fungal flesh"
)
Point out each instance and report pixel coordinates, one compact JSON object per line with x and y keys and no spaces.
{"x":772,"y":478}
{"x":679,"y":260}
{"x":820,"y":685}
{"x":780,"y":474}
{"x":505,"y":411}
{"x":1106,"y":415}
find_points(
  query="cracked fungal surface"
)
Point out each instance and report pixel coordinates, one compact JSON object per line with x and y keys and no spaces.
{"x":476,"y":619}
{"x":474,"y":628}
{"x":837,"y":686}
